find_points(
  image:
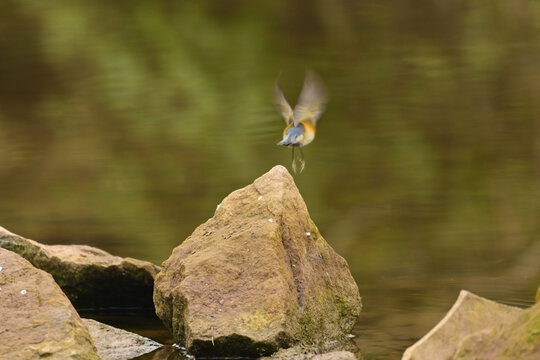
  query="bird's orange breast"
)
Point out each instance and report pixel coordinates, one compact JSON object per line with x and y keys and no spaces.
{"x":309,"y":132}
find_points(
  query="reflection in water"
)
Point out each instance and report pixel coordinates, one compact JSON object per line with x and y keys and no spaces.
{"x":123,"y":125}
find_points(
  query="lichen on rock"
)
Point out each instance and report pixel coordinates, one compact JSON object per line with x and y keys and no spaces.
{"x":256,"y":277}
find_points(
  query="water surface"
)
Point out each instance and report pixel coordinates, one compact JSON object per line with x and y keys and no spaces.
{"x":123,"y":125}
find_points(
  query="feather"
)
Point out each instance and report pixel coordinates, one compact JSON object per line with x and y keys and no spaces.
{"x":284,"y":107}
{"x":312,"y":100}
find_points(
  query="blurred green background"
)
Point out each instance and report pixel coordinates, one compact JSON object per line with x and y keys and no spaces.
{"x":124,"y":123}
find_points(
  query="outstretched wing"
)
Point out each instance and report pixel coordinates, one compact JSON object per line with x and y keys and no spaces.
{"x":284,"y":107}
{"x":312,"y":100}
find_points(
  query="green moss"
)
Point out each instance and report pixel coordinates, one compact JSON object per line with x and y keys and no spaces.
{"x":533,"y":335}
{"x":306,"y":325}
{"x":258,"y":320}
{"x":344,"y":307}
{"x":341,"y":306}
{"x":312,"y":327}
{"x":3,"y":279}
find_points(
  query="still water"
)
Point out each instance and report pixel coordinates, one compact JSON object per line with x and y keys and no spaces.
{"x":123,"y":124}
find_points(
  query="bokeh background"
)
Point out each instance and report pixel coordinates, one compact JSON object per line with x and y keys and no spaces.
{"x":124,"y":123}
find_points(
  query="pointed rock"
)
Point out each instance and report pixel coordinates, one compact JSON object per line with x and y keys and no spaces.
{"x":89,"y":276}
{"x":469,"y":314}
{"x":256,"y":277}
{"x":37,"y":321}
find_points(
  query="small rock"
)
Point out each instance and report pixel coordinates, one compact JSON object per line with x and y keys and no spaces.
{"x":307,"y":353}
{"x":89,"y":276}
{"x":42,"y":324}
{"x":118,"y":344}
{"x":469,"y":314}
{"x":335,"y":355}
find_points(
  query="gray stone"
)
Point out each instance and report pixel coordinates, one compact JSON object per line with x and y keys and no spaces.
{"x":308,"y":353}
{"x":118,"y":344}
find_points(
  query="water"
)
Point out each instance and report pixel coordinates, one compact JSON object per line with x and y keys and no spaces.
{"x":124,"y":124}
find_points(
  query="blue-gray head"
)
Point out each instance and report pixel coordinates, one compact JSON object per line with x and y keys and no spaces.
{"x":293,"y":135}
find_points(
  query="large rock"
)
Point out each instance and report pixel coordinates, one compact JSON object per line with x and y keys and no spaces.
{"x":118,"y":344}
{"x":89,"y":276}
{"x":256,"y":277}
{"x":470,"y":314}
{"x":37,"y":321}
{"x":517,"y":339}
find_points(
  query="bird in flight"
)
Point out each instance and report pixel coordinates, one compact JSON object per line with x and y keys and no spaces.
{"x":302,"y":121}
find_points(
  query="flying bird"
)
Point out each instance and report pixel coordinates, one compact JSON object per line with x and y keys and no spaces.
{"x":302,"y":121}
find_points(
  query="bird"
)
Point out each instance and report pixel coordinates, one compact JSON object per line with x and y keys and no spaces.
{"x":301,"y":123}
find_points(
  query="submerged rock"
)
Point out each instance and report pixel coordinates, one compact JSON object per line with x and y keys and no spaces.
{"x":470,"y":314}
{"x":118,"y":344}
{"x":256,"y":277}
{"x":37,"y":320}
{"x":89,"y":276}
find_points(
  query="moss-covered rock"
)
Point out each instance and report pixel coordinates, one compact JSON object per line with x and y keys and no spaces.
{"x":256,"y":277}
{"x":89,"y":276}
{"x":37,"y":321}
{"x":470,"y":314}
